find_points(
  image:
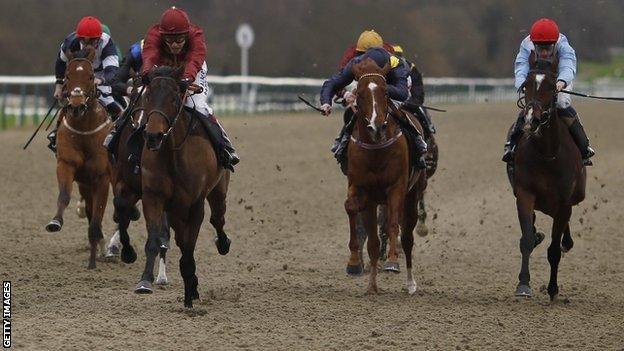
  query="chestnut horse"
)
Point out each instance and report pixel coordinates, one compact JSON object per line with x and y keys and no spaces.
{"x":378,"y":173}
{"x":179,"y":170}
{"x":80,"y":156}
{"x":548,"y":174}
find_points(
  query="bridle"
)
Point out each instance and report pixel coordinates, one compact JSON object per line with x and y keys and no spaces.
{"x":171,"y":122}
{"x":526,"y":106}
{"x":91,"y":94}
{"x":393,"y":139}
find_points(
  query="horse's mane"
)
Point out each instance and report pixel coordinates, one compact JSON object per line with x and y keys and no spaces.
{"x":164,"y":71}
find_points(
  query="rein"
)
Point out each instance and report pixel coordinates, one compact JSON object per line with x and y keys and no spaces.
{"x":171,"y":123}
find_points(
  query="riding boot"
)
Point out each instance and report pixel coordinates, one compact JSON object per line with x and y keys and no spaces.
{"x":422,"y":115}
{"x":421,"y":150}
{"x":52,"y":139}
{"x":512,"y":139}
{"x":339,"y":148}
{"x":226,"y":154}
{"x":582,"y":142}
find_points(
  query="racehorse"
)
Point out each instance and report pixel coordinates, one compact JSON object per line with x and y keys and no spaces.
{"x":127,"y":191}
{"x":547,"y":173}
{"x":379,"y":173}
{"x":80,"y":156}
{"x":179,"y":170}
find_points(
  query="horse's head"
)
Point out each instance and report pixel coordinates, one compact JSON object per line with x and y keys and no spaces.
{"x":540,"y":92}
{"x":372,"y":97}
{"x":80,"y":79}
{"x":163,"y":103}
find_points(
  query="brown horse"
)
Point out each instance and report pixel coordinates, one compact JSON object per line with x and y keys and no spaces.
{"x":548,"y":174}
{"x":179,"y":170}
{"x":378,"y":173}
{"x":127,"y":190}
{"x":80,"y":156}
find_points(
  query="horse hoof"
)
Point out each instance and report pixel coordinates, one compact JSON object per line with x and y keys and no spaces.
{"x":80,"y":209}
{"x":524,"y":291}
{"x":111,"y":252}
{"x":188,"y":304}
{"x":54,"y":225}
{"x":223,"y":246}
{"x":422,"y":230}
{"x":162,"y":281}
{"x":144,"y":287}
{"x":355,"y":269}
{"x":135,"y":214}
{"x":539,"y":237}
{"x":372,"y":290}
{"x":128,"y":255}
{"x":411,"y":288}
{"x":391,"y":267}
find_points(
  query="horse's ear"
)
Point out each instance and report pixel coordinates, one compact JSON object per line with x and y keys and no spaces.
{"x":532,"y":59}
{"x":177,"y":73}
{"x":386,"y":68}
{"x":91,"y":54}
{"x":356,"y":70}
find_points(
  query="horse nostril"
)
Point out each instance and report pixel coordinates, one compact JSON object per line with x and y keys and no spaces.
{"x":370,"y":128}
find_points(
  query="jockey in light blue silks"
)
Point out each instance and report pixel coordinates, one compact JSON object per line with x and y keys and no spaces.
{"x":546,"y":41}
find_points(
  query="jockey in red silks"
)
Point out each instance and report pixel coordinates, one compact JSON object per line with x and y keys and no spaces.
{"x":175,"y":41}
{"x":545,"y":41}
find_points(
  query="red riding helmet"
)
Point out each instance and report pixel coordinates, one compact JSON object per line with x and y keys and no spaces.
{"x":89,"y":27}
{"x":544,"y":30}
{"x":174,"y":21}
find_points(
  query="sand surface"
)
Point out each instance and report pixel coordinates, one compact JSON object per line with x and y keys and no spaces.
{"x":283,"y":285}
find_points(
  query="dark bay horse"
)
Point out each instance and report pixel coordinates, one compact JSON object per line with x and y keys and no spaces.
{"x":179,"y":170}
{"x":80,"y":156}
{"x":378,"y":173}
{"x":548,"y":174}
{"x":127,"y":190}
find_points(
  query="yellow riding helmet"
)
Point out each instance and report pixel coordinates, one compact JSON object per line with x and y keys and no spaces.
{"x":398,"y":50}
{"x":369,"y":39}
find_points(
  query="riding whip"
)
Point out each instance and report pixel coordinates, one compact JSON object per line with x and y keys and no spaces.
{"x":40,"y":124}
{"x":592,"y":96}
{"x":309,"y":103}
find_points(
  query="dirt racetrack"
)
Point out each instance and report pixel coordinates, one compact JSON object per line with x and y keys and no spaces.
{"x":283,"y":285}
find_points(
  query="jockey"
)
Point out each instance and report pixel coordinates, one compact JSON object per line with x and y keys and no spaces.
{"x":132,"y":62}
{"x":417,"y":94}
{"x":173,"y":42}
{"x":546,"y":41}
{"x":396,"y":79}
{"x":105,"y":64}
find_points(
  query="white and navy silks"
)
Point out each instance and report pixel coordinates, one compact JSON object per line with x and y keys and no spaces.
{"x":105,"y":63}
{"x":567,"y":66}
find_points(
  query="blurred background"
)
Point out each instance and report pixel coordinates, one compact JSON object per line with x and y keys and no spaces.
{"x":306,"y":39}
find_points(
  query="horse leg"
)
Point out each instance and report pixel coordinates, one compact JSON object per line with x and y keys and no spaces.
{"x":65,"y":177}
{"x":164,"y":246}
{"x":186,"y":239}
{"x":124,"y":202}
{"x":369,"y":219}
{"x":525,"y":203}
{"x":396,"y":201}
{"x":383,"y":236}
{"x":410,"y":219}
{"x":421,"y":227}
{"x":353,"y":205}
{"x":99,"y":198}
{"x":153,"y":206}
{"x":560,"y":223}
{"x":567,"y":243}
{"x":216,"y":200}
